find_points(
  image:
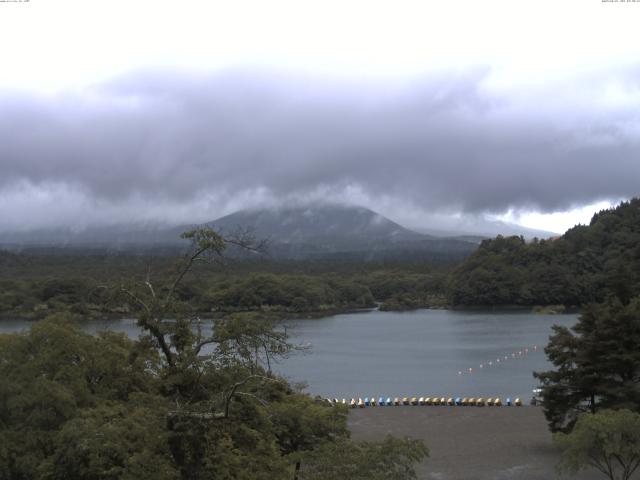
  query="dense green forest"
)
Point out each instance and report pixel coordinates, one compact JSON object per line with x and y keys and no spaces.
{"x":587,"y":264}
{"x":33,"y":286}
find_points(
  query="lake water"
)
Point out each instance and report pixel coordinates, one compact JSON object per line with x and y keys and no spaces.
{"x":417,"y":353}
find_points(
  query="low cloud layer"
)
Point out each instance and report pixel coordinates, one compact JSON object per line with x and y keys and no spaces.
{"x":186,"y":147}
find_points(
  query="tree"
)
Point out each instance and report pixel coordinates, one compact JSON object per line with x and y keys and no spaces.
{"x":391,"y":459}
{"x":597,"y":364}
{"x":608,"y":441}
{"x":55,"y":377}
{"x":301,"y":426}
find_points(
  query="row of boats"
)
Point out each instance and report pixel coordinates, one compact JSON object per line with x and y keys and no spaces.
{"x":458,"y":401}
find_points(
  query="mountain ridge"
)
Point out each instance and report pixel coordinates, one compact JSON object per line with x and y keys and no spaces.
{"x":307,"y":232}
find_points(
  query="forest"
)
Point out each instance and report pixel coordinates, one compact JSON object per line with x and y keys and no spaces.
{"x":34,"y":286}
{"x":587,"y":264}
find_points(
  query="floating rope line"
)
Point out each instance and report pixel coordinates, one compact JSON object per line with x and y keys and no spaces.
{"x":501,"y":359}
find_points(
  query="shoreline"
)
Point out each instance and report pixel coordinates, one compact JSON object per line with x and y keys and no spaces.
{"x":315,"y":314}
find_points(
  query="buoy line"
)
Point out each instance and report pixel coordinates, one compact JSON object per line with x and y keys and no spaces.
{"x":500,"y":359}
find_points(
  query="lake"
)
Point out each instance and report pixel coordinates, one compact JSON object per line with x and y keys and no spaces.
{"x":417,"y":353}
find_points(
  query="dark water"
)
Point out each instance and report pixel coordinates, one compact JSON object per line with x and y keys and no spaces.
{"x":409,"y":353}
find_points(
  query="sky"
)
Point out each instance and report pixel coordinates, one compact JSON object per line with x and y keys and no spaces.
{"x":436,"y":114}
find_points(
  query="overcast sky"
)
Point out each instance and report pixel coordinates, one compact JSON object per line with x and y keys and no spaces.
{"x":432,"y":113}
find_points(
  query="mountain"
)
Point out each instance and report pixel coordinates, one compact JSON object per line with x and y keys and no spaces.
{"x":317,"y":232}
{"x":338,"y":231}
{"x":333,"y":226}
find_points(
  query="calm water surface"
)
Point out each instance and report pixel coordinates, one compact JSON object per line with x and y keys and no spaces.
{"x":408,"y":353}
{"x":421,"y":352}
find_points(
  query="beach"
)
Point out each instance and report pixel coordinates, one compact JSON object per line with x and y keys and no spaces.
{"x":470,"y":443}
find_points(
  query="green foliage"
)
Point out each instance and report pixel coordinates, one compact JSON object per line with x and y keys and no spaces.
{"x":76,"y":406}
{"x":586,"y":264}
{"x":389,"y":459}
{"x":186,"y":400}
{"x":55,"y":374}
{"x":597,"y":363}
{"x":289,"y":292}
{"x":608,"y":441}
{"x":35,"y":287}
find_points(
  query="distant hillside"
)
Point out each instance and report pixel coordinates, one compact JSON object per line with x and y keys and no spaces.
{"x":313,"y":232}
{"x":586,"y":264}
{"x":482,"y":229}
{"x":336,"y":226}
{"x":341,"y":232}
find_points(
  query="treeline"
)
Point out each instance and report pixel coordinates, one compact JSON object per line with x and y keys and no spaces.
{"x":587,"y":264}
{"x":33,"y":287}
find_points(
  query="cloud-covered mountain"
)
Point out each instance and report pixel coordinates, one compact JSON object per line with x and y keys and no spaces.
{"x":314,"y":231}
{"x":169,"y":145}
{"x":335,"y":226}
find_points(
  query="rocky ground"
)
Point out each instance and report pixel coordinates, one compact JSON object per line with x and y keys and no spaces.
{"x":470,"y":443}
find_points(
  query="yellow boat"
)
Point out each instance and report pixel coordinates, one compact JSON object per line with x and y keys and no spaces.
{"x":497,"y":402}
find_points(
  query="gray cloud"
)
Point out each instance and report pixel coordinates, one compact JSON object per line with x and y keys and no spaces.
{"x":445,"y":143}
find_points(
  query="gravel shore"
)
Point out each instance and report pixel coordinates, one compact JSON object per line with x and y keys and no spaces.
{"x":470,"y":443}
